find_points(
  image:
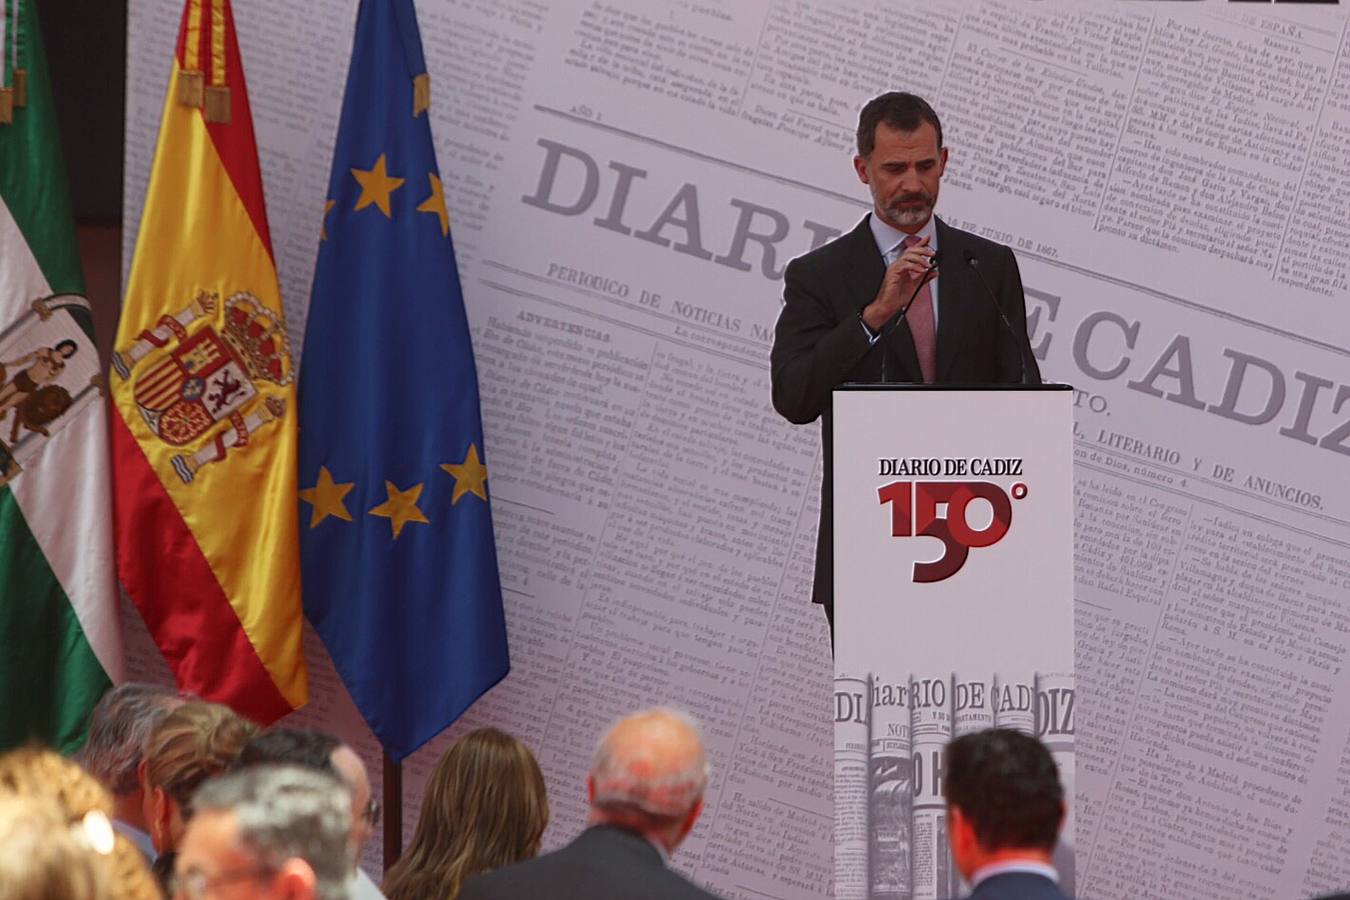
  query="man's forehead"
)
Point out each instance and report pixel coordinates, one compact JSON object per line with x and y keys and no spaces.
{"x":211,"y":842}
{"x":350,"y":768}
{"x":893,"y":142}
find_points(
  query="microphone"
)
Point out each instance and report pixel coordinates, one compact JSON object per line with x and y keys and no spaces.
{"x":900,"y":316}
{"x":1021,"y":344}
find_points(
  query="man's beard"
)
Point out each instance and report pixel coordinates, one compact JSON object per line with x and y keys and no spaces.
{"x":902,"y":211}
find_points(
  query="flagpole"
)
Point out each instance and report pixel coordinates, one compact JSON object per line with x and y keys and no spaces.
{"x":393,"y":811}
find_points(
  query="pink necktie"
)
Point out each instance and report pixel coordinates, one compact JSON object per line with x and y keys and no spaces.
{"x":920,"y":320}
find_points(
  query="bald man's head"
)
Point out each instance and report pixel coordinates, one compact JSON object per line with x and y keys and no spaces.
{"x":649,"y":775}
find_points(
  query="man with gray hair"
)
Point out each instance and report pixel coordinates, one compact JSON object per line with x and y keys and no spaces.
{"x":646,"y":792}
{"x":118,"y":728}
{"x":321,"y":752}
{"x":267,"y":832}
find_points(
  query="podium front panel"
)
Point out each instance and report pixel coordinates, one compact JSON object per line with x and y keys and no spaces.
{"x":953,"y":595}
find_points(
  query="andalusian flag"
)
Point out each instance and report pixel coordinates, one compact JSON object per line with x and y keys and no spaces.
{"x":203,"y":382}
{"x":60,"y":645}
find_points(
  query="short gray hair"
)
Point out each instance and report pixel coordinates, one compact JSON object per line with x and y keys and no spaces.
{"x":285,"y":812}
{"x":118,"y":729}
{"x":627,"y":782}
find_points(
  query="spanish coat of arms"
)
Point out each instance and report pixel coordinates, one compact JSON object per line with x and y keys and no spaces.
{"x":203,"y":379}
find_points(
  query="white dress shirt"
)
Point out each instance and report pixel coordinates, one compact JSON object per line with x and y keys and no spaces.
{"x":363,"y":887}
{"x":890,"y":244}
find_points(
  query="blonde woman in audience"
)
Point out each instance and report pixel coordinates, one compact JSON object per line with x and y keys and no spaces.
{"x":485,"y":807}
{"x":41,"y":858}
{"x":194,"y":742}
{"x":60,"y":791}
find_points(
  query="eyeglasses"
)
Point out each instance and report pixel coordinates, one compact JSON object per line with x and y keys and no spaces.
{"x":194,"y":885}
{"x":372,"y":813}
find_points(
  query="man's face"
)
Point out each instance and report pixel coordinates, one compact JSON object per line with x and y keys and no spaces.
{"x":211,"y":864}
{"x":353,"y":772}
{"x":903,"y":172}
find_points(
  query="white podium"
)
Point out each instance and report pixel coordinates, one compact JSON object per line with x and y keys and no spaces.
{"x":953,"y":599}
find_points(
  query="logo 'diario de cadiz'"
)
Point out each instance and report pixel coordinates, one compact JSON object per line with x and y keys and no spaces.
{"x":915,"y":511}
{"x":195,"y":376}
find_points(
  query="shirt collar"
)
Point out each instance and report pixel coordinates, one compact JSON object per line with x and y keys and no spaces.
{"x":888,"y":238}
{"x":1023,"y":866}
{"x":142,"y":840}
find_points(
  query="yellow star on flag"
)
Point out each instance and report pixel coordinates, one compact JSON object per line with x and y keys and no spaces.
{"x":376,"y":186}
{"x":323,"y":223}
{"x":326,"y":497}
{"x":436,"y":203}
{"x":401,"y":507}
{"x":470,"y":476}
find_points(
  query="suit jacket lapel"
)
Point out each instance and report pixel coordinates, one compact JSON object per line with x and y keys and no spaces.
{"x":866,"y":269}
{"x":865,"y":265}
{"x":954,"y":291}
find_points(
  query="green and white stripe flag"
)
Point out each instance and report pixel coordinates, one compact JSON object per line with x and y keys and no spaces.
{"x":60,"y":638}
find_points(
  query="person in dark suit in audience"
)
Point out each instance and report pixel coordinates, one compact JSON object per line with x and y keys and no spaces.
{"x":646,"y":792}
{"x":1005,"y":807}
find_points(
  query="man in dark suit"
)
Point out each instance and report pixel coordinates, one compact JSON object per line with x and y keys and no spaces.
{"x":646,"y":792}
{"x":1005,"y":806}
{"x":964,"y":315}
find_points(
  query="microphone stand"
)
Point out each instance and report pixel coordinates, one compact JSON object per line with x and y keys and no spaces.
{"x":1021,"y":345}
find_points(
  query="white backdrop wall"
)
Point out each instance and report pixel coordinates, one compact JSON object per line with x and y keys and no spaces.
{"x":627,"y":181}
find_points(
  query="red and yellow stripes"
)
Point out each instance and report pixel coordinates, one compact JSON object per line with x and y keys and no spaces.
{"x":234,"y":141}
{"x":211,"y":562}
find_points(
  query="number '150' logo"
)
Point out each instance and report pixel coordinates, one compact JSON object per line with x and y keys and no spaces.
{"x":914,"y":511}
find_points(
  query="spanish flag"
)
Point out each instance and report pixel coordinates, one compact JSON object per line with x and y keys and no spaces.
{"x":203,"y":381}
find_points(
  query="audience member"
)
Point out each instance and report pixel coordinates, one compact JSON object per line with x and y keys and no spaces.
{"x":118,"y":729}
{"x":194,"y":742}
{"x":41,"y":857}
{"x":365,"y":808}
{"x":485,"y":807}
{"x":1005,"y":805}
{"x":301,"y":747}
{"x":646,"y":792}
{"x":267,"y":832}
{"x":76,"y":800}
{"x":323,"y":753}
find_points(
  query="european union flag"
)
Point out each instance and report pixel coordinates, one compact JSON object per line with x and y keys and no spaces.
{"x":397,"y":553}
